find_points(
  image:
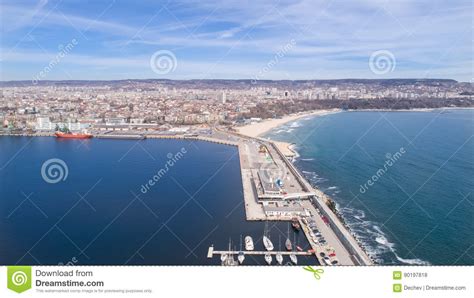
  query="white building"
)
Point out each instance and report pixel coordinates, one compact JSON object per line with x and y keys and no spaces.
{"x":44,"y":124}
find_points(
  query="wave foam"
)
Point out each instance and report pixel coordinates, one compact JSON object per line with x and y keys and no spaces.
{"x":373,"y":239}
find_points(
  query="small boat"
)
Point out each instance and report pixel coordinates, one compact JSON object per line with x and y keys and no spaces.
{"x":248,"y":243}
{"x":295,"y":224}
{"x":299,"y":248}
{"x":293,"y":259}
{"x":241,"y":257}
{"x":267,"y":243}
{"x":288,"y":245}
{"x":279,"y":258}
{"x":228,"y":259}
{"x":268,"y":258}
{"x":223,"y":258}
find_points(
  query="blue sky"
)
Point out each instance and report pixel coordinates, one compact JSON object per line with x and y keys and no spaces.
{"x":259,"y":39}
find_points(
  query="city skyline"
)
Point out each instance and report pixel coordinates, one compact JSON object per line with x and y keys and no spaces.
{"x":287,"y":40}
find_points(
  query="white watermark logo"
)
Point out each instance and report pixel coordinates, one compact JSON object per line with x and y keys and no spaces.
{"x":391,"y":159}
{"x":163,"y":62}
{"x":54,"y":170}
{"x":19,"y":278}
{"x":63,"y":52}
{"x":172,"y":160}
{"x":382,"y":62}
{"x":274,"y":61}
{"x":272,"y":174}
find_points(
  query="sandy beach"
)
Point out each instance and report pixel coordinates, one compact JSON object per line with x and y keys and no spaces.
{"x":259,"y":128}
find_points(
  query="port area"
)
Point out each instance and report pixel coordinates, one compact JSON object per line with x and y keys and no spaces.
{"x":273,"y":190}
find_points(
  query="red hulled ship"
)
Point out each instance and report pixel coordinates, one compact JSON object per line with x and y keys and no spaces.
{"x":67,"y":134}
{"x":73,"y":135}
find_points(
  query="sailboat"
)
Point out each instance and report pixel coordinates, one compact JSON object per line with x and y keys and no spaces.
{"x":293,"y":258}
{"x":266,"y":241}
{"x":268,"y":258}
{"x":228,"y":259}
{"x":288,"y":244}
{"x":223,"y":257}
{"x":241,"y":256}
{"x":279,"y":256}
{"x":248,"y":243}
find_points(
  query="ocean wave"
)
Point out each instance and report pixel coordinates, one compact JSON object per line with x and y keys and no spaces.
{"x":294,"y":148}
{"x":307,"y":159}
{"x":368,"y":233}
{"x":295,"y":124}
{"x":373,"y":239}
{"x":412,"y":261}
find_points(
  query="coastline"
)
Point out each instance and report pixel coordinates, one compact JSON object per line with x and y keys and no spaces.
{"x":257,"y":130}
{"x":334,"y":204}
{"x":260,"y":128}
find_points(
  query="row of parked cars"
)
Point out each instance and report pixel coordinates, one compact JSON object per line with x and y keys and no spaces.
{"x":314,"y":232}
{"x":329,"y":257}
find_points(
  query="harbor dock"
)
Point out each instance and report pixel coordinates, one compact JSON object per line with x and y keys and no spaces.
{"x":211,"y":252}
{"x":273,"y":190}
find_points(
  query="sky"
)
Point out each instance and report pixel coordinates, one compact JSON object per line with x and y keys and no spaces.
{"x":236,"y":39}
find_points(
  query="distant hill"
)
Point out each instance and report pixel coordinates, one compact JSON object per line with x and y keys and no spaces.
{"x":232,"y":84}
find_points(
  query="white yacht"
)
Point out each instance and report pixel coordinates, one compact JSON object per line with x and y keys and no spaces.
{"x":223,"y":257}
{"x":293,"y":259}
{"x":241,"y":257}
{"x":268,"y":258}
{"x":267,"y":243}
{"x":248,"y":243}
{"x":279,"y":258}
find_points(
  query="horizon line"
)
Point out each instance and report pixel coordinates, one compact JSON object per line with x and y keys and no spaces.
{"x":242,"y":79}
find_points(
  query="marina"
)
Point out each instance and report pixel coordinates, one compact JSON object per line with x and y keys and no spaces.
{"x":212,"y":252}
{"x":274,"y":190}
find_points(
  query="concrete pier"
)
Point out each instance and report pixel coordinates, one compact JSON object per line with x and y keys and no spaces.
{"x":260,"y":253}
{"x":262,"y":197}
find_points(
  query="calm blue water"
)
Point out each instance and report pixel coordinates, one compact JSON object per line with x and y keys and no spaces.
{"x":196,"y":203}
{"x":419,"y":210}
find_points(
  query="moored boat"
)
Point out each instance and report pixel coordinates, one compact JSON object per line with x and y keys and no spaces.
{"x":279,"y":258}
{"x":295,"y":224}
{"x":288,"y":245}
{"x":293,"y":259}
{"x":71,"y":135}
{"x":241,"y":257}
{"x":267,"y":243}
{"x":223,"y":258}
{"x":248,"y":243}
{"x":268,"y":258}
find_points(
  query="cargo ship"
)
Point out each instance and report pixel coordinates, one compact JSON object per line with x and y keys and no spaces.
{"x":67,"y":134}
{"x":73,"y":135}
